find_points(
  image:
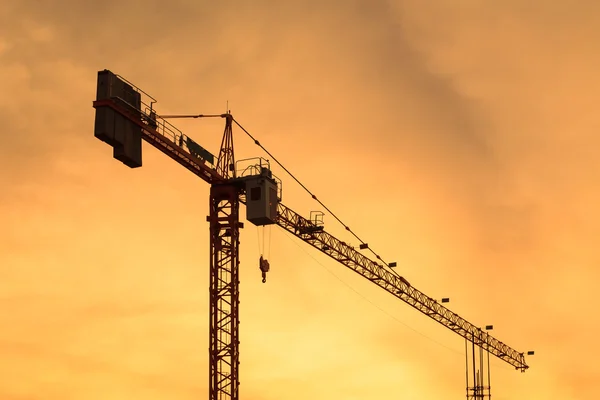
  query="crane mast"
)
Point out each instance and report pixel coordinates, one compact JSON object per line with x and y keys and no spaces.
{"x":125,"y":116}
{"x":224,"y":291}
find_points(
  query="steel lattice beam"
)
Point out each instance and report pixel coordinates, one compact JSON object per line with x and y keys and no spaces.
{"x":224,"y":292}
{"x":394,"y":284}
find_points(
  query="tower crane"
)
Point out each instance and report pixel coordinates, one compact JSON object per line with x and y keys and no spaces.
{"x":125,"y":116}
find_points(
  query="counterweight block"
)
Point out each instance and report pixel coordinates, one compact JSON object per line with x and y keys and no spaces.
{"x":114,"y":129}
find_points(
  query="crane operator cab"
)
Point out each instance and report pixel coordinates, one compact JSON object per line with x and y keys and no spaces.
{"x":261,"y":198}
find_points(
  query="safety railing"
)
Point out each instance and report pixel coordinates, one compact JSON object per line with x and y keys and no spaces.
{"x":255,"y":166}
{"x":163,"y":127}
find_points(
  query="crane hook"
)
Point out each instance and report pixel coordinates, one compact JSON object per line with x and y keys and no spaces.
{"x":264,"y":268}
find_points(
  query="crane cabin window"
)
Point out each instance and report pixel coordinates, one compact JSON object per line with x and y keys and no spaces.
{"x":255,"y":193}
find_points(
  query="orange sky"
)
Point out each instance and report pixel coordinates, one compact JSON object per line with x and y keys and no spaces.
{"x":459,"y":140}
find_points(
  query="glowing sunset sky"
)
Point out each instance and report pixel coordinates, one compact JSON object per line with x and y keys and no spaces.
{"x":459,"y":138}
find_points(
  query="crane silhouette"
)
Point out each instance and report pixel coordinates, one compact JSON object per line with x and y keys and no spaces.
{"x":125,"y":116}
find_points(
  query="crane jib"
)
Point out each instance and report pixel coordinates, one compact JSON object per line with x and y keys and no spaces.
{"x":397,"y":286}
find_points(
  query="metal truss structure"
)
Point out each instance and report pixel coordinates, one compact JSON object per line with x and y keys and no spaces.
{"x":224,"y":291}
{"x":380,"y":275}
